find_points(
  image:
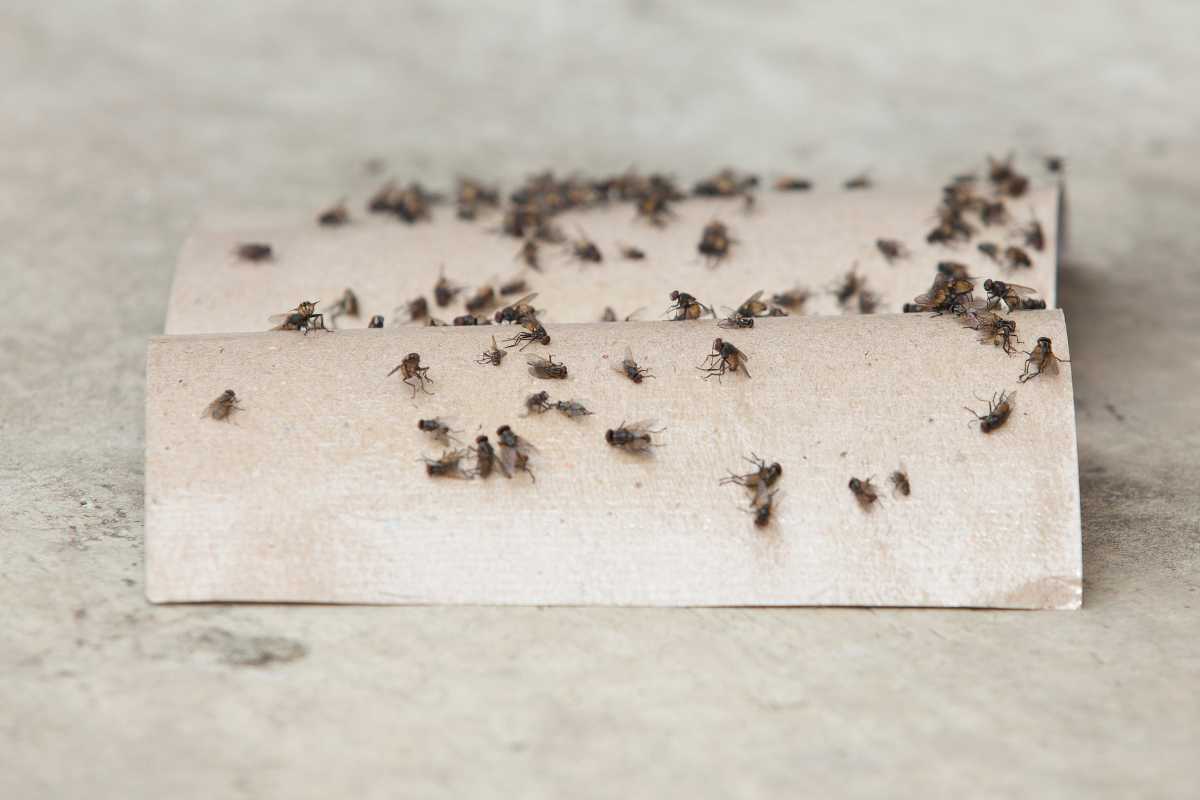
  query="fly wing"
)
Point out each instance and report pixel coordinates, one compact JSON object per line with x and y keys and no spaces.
{"x":279,"y":319}
{"x":1020,"y":290}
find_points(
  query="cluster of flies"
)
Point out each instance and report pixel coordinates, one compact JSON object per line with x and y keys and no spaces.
{"x":530,"y":216}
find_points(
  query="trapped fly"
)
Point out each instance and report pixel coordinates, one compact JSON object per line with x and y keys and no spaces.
{"x":254,"y":251}
{"x":725,"y":357}
{"x":412,"y":373}
{"x":997,"y":414}
{"x":630,"y":369}
{"x":546,"y":368}
{"x":634,"y":437}
{"x":1042,"y":359}
{"x":223,"y":407}
{"x":493,"y":355}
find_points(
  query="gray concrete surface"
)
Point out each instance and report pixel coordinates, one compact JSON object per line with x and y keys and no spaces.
{"x":122,"y":122}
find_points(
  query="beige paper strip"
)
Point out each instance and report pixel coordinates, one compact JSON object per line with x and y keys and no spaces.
{"x":810,"y":239}
{"x":313,"y":492}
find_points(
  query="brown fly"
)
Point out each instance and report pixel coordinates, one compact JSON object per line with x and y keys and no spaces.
{"x":789,"y":184}
{"x":334,"y":216}
{"x":444,"y":291}
{"x":534,"y":333}
{"x":762,"y":506}
{"x":726,"y":183}
{"x":585,"y":250}
{"x":634,"y":437}
{"x":629,"y":367}
{"x":1042,"y":359}
{"x":416,"y":309}
{"x":997,"y":414}
{"x":471,"y":197}
{"x":1010,"y":294}
{"x":792,"y":299}
{"x":1034,"y":236}
{"x":753,"y":306}
{"x":900,"y":483}
{"x":303,"y":317}
{"x":448,"y":466}
{"x":991,"y":250}
{"x":413,"y":373}
{"x":715,"y":243}
{"x":572,"y":408}
{"x":470,"y":319}
{"x":860,"y":181}
{"x":947,"y":295}
{"x":223,"y":407}
{"x":514,"y":451}
{"x":529,"y":254}
{"x":851,"y":284}
{"x":483,"y":299}
{"x":725,"y":357}
{"x":993,"y":329}
{"x":254,"y":251}
{"x":487,"y":460}
{"x":517,"y":311}
{"x":892,"y":249}
{"x":546,"y":368}
{"x":686,"y":307}
{"x":1017,"y":257}
{"x":438,"y":428}
{"x":1004,"y":177}
{"x":346,"y":305}
{"x":515,"y":286}
{"x":632,"y":253}
{"x":537,"y":403}
{"x":864,"y":492}
{"x":493,"y":355}
{"x":763,"y":475}
{"x":993,"y":212}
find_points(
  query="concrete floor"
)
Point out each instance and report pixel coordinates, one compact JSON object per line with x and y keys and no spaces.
{"x":122,"y":123}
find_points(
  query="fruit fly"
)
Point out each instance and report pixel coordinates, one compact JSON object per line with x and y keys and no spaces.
{"x":254,"y":251}
{"x":448,"y":466}
{"x":493,"y":355}
{"x":789,"y":184}
{"x":537,"y":403}
{"x":687,"y":307}
{"x":486,"y":459}
{"x":864,"y":492}
{"x":572,"y":408}
{"x":715,"y":242}
{"x":303,"y":317}
{"x":725,"y":357}
{"x":223,"y":407}
{"x":376,"y":321}
{"x":518,"y":310}
{"x":1043,"y":359}
{"x":1009,"y":294}
{"x":634,"y":437}
{"x":629,"y":367}
{"x":413,"y":373}
{"x":1016,"y":257}
{"x":438,"y":428}
{"x":334,"y":216}
{"x":892,"y":249}
{"x":444,"y":291}
{"x":546,"y":368}
{"x":997,"y":414}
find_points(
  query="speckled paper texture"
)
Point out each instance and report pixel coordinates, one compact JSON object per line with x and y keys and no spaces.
{"x":314,"y":492}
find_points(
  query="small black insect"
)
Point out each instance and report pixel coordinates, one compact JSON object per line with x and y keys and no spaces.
{"x":993,"y":212}
{"x":444,"y":291}
{"x":630,"y":369}
{"x":334,"y":216}
{"x":991,"y":250}
{"x":763,"y":475}
{"x":632,"y":253}
{"x":634,"y":437}
{"x":470,"y":319}
{"x":483,"y":299}
{"x":736,"y":321}
{"x":534,"y":332}
{"x":997,"y":414}
{"x":223,"y":407}
{"x":254,"y":251}
{"x":413,"y":373}
{"x":515,"y":286}
{"x":715,"y":242}
{"x":585,"y":250}
{"x":860,"y":181}
{"x":514,"y":451}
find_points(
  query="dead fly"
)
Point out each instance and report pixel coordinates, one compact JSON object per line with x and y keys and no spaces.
{"x":792,"y":299}
{"x":956,"y":270}
{"x":991,"y":250}
{"x":534,"y":332}
{"x":763,"y":475}
{"x":537,"y":403}
{"x":529,"y":254}
{"x":632,"y":253}
{"x":417,"y":308}
{"x":1005,"y":179}
{"x":223,"y":407}
{"x":254,"y":251}
{"x":1054,"y":164}
{"x":1042,"y":357}
{"x":413,"y":373}
{"x":1009,"y":294}
{"x":993,"y":329}
{"x":444,"y":291}
{"x":851,"y":284}
{"x":515,"y":286}
{"x":725,"y":183}
{"x":517,"y":311}
{"x":762,"y":506}
{"x":546,"y":368}
{"x":951,"y":226}
{"x":514,"y":451}
{"x":993,"y":212}
{"x":753,"y":306}
{"x":864,"y":492}
{"x":492,"y":356}
{"x":437,"y":428}
{"x":868,"y":302}
{"x":787,"y":184}
{"x":1034,"y":236}
{"x":997,"y":414}
{"x":609,"y":315}
{"x":900,"y":483}
{"x":735,"y":321}
{"x":1016,"y":257}
{"x":470,"y":319}
{"x":347,"y":305}
{"x":629,"y":367}
{"x":947,"y":295}
{"x":376,"y":321}
{"x":303,"y":317}
{"x":482,"y":300}
{"x":725,"y":357}
{"x":411,"y":203}
{"x":635,"y":437}
{"x":892,"y":249}
{"x":714,"y":243}
{"x":585,"y":250}
{"x":860,"y":181}
{"x":572,"y":409}
{"x":434,"y":322}
{"x":471,"y":197}
{"x":334,"y":216}
{"x":486,"y":459}
{"x":655,"y":208}
{"x":448,"y":466}
{"x":687,"y":307}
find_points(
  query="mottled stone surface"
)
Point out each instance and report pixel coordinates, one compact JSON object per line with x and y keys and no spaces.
{"x":123,"y":122}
